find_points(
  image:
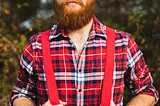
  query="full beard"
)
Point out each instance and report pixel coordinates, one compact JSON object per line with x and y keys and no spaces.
{"x":74,"y":20}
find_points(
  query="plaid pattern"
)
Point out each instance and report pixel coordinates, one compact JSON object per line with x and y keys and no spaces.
{"x":79,"y":77}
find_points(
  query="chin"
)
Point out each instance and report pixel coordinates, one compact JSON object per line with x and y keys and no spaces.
{"x":73,"y":8}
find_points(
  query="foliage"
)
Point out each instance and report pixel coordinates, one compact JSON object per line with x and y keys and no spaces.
{"x":19,"y":19}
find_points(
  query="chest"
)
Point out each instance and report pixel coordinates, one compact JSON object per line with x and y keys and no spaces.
{"x":81,"y":72}
{"x":90,"y":61}
{"x":71,"y":57}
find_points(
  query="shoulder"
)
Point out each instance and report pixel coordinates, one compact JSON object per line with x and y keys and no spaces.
{"x":35,"y":41}
{"x":122,"y":35}
{"x":37,"y":37}
{"x":119,"y":33}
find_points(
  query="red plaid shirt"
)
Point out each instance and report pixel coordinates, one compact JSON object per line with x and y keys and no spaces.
{"x":79,"y":77}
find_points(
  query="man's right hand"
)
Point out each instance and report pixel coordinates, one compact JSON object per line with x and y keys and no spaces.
{"x":49,"y":104}
{"x":112,"y":103}
{"x":23,"y":101}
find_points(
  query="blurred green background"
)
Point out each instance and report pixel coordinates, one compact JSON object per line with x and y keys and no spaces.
{"x":20,"y":19}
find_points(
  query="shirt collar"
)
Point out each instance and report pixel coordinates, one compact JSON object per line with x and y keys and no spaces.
{"x":98,"y":29}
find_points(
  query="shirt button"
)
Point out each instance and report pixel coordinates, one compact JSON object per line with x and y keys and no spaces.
{"x":80,"y":90}
{"x":80,"y":70}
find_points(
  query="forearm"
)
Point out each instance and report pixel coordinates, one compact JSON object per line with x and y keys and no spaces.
{"x":142,"y":100}
{"x":22,"y":101}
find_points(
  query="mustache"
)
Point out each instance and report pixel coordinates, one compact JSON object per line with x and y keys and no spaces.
{"x":73,"y":1}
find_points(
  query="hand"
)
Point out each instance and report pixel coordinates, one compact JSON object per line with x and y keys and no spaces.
{"x":112,"y":103}
{"x":49,"y":104}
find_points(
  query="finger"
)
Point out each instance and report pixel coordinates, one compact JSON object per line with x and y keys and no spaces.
{"x":47,"y":103}
{"x":63,"y":103}
{"x":112,"y":103}
{"x":58,"y":105}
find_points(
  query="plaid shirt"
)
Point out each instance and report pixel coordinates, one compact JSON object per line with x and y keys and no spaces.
{"x":79,"y":77}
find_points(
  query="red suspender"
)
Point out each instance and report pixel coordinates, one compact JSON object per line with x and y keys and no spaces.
{"x":48,"y":68}
{"x":108,"y":75}
{"x":107,"y":82}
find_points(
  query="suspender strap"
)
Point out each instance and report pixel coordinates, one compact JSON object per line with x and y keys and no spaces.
{"x":108,"y":75}
{"x":107,"y":82}
{"x":48,"y":68}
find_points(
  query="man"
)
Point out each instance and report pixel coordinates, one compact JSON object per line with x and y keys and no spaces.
{"x":78,"y":50}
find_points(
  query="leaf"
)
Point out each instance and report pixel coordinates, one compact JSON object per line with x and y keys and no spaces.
{"x":6,"y":11}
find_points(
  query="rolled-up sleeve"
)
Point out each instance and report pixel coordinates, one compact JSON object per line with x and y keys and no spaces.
{"x":138,"y":76}
{"x":25,"y":83}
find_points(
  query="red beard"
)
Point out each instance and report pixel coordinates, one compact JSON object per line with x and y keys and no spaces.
{"x":69,"y":20}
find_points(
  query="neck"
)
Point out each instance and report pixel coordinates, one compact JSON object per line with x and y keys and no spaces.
{"x":80,"y":33}
{"x":80,"y":36}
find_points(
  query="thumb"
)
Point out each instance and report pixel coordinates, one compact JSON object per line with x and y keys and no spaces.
{"x":112,"y":103}
{"x":63,"y":103}
{"x":47,"y":103}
